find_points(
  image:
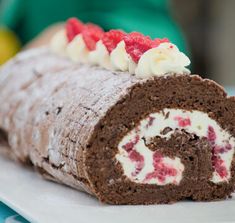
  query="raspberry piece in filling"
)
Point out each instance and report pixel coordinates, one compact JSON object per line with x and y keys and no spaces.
{"x":161,"y":171}
{"x":137,"y":44}
{"x":219,"y":167}
{"x":112,"y":38}
{"x":134,"y":155}
{"x":221,"y":150}
{"x":130,"y":145}
{"x":217,"y":162}
{"x":150,"y":121}
{"x":211,"y":134}
{"x":138,"y":159}
{"x":183,"y":122}
{"x":91,"y":35}
{"x":73,"y":27}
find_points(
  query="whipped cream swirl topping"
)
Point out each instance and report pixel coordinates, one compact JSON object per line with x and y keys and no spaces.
{"x":118,"y":51}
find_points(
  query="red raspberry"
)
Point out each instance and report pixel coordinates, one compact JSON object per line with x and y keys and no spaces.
{"x":137,"y":44}
{"x":219,"y":167}
{"x":91,"y":35}
{"x":161,"y":171}
{"x":158,"y":41}
{"x":183,"y":122}
{"x":139,"y":161}
{"x":112,"y":38}
{"x":150,"y":121}
{"x":130,"y":145}
{"x":211,"y":135}
{"x":73,"y":27}
{"x":157,"y":157}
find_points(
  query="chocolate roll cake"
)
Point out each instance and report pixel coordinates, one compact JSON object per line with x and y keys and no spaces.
{"x":119,"y":116}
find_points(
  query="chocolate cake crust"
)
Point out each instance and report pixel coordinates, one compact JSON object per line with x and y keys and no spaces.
{"x":68,"y":119}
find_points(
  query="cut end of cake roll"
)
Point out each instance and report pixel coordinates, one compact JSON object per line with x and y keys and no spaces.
{"x":168,"y":139}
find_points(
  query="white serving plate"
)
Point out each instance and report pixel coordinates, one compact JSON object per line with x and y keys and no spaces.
{"x":42,"y":201}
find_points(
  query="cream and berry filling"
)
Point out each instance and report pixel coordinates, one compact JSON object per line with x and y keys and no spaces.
{"x":142,"y":165}
{"x":116,"y":50}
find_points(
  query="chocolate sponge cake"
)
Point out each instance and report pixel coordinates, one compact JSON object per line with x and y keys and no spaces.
{"x":122,"y":138}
